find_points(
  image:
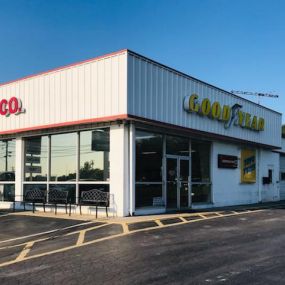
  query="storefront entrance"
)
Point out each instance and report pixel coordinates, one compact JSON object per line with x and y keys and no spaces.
{"x":177,"y":182}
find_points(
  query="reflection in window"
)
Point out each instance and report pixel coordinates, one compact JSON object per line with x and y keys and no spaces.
{"x":94,"y":155}
{"x":63,"y":157}
{"x":149,"y":148}
{"x":70,"y":188}
{"x":7,"y":160}
{"x":200,"y":161}
{"x":36,"y":151}
{"x":7,"y":192}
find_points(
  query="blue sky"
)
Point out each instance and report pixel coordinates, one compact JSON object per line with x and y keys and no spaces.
{"x":236,"y":45}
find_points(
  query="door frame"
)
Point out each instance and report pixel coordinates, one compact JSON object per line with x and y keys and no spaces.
{"x":178,"y":187}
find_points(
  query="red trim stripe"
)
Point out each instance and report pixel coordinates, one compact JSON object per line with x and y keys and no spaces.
{"x":65,"y":67}
{"x":71,"y":123}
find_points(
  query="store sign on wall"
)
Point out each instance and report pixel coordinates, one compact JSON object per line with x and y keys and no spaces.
{"x":11,"y":106}
{"x":248,"y":166}
{"x":229,"y":115}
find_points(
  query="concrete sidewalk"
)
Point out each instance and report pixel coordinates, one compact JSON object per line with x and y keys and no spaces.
{"x":135,"y":219}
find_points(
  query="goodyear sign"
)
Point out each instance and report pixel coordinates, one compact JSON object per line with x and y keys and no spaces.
{"x":248,"y":166}
{"x":229,"y":115}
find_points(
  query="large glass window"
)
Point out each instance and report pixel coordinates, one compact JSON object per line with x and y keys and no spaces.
{"x":201,"y":180}
{"x":94,"y":155}
{"x":177,"y":145}
{"x":149,"y":148}
{"x":36,"y":152}
{"x":63,"y":157}
{"x":149,"y":153}
{"x":70,"y":188}
{"x":7,"y":160}
{"x":85,"y":152}
{"x":7,"y":170}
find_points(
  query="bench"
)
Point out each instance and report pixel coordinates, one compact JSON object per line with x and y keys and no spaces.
{"x":34,"y":196}
{"x":55,"y":196}
{"x":95,"y":197}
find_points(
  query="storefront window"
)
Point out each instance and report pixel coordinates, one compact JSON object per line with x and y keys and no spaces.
{"x":63,"y":157}
{"x":36,"y":152}
{"x":177,"y":146}
{"x":200,"y":161}
{"x":201,"y":180}
{"x":201,"y":193}
{"x":149,"y":147}
{"x":149,"y":153}
{"x":149,"y":195}
{"x":28,"y":187}
{"x":7,"y":192}
{"x":94,"y":155}
{"x":7,"y":170}
{"x":7,"y":160}
{"x":70,"y":188}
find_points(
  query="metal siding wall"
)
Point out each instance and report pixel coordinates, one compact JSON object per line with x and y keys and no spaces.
{"x":86,"y":91}
{"x":157,"y":93}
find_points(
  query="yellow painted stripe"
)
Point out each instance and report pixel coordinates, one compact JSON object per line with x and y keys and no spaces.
{"x":25,"y":251}
{"x":81,"y":238}
{"x":159,"y":223}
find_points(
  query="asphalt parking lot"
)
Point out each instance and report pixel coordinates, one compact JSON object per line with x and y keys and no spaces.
{"x":230,"y":247}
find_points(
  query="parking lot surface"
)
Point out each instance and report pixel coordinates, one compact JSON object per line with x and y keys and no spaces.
{"x":230,"y":247}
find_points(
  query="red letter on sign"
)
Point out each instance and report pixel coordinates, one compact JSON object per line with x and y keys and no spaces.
{"x":3,"y":107}
{"x":13,"y":105}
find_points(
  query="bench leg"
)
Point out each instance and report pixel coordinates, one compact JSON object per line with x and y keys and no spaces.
{"x":69,"y":209}
{"x":96,"y":211}
{"x":24,"y":206}
{"x":44,"y":207}
{"x":33,"y":207}
{"x":55,"y":208}
{"x":107,"y":211}
{"x":14,"y":206}
{"x":65,"y":208}
{"x":80,"y":209}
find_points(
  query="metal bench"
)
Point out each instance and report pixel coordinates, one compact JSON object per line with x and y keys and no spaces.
{"x":35,"y":196}
{"x":56,"y":197}
{"x":95,"y":197}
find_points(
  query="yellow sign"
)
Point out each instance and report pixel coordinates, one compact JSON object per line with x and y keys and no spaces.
{"x":228,"y":115}
{"x":248,"y":166}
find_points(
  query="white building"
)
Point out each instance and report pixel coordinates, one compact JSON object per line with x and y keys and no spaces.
{"x":155,"y":138}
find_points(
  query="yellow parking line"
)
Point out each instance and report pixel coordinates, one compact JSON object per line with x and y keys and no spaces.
{"x":23,"y":254}
{"x":81,"y":237}
{"x":125,"y":228}
{"x":25,"y":251}
{"x":47,"y":238}
{"x":159,"y":223}
{"x":203,"y":216}
{"x":183,"y":220}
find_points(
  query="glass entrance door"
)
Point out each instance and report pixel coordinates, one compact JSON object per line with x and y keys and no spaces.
{"x":177,"y":182}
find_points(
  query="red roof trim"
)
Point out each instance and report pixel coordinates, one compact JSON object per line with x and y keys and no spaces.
{"x":71,"y":123}
{"x":64,"y":67}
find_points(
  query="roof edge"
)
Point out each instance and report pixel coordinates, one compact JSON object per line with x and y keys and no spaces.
{"x":64,"y":67}
{"x":198,"y":80}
